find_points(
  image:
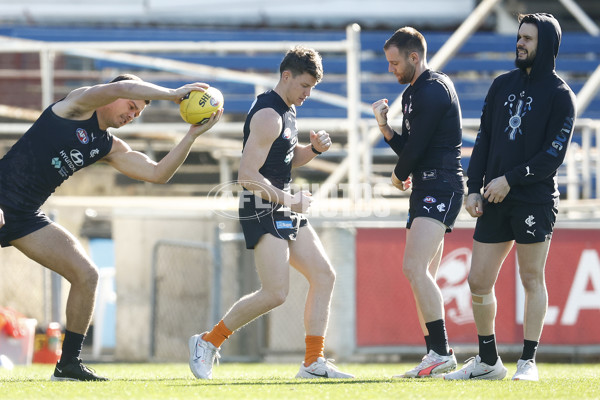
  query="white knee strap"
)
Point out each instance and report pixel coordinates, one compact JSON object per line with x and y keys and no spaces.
{"x":483,"y":300}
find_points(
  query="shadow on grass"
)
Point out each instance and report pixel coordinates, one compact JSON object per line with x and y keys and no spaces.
{"x":222,"y":382}
{"x":301,"y":382}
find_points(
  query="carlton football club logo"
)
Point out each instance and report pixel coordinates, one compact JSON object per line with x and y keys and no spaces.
{"x":82,"y":136}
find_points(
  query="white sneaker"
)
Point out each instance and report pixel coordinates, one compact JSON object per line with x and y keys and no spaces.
{"x":321,"y":368}
{"x":476,"y":369}
{"x":202,"y":356}
{"x":432,"y":364}
{"x":526,"y":371}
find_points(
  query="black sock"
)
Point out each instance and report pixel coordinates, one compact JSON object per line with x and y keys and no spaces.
{"x":427,"y":343}
{"x":438,"y":337}
{"x":487,"y":349}
{"x":71,"y":347}
{"x":529,"y":349}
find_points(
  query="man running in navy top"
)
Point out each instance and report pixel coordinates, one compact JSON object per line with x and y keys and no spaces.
{"x":69,"y":135}
{"x":272,"y":220}
{"x":526,"y":126}
{"x":428,"y":147}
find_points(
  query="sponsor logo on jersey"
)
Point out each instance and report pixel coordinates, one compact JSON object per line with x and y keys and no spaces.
{"x":287,"y":133}
{"x":429,"y":200}
{"x":56,"y":163}
{"x":429,"y":175}
{"x":82,"y":136}
{"x":73,"y":159}
{"x":284,"y":224}
{"x":288,"y":157}
{"x":67,"y":160}
{"x":77,"y":157}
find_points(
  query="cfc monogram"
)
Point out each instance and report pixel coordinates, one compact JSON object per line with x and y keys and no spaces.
{"x":529,"y":221}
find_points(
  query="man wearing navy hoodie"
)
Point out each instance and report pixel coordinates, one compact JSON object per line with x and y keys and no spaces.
{"x":526,"y":126}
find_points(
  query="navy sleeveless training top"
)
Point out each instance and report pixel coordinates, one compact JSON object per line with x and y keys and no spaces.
{"x":278,"y":164}
{"x":47,"y":155}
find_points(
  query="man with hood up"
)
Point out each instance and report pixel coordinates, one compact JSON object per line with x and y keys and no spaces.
{"x":526,"y":125}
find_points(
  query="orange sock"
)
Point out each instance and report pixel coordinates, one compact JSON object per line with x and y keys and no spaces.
{"x":314,"y":349}
{"x":218,"y":335}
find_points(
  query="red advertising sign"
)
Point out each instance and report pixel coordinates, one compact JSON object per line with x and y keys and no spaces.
{"x":386,"y":313}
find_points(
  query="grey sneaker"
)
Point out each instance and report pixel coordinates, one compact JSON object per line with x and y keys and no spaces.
{"x":321,"y":368}
{"x":526,"y":371}
{"x":431,"y":365}
{"x":202,"y":356}
{"x":474,"y":368}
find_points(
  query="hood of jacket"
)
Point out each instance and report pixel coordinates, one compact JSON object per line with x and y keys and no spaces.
{"x":549,"y":36}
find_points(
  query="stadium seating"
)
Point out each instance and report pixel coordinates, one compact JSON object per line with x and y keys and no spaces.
{"x":482,"y":57}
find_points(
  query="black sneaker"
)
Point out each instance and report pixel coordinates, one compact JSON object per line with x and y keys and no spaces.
{"x":75,"y":371}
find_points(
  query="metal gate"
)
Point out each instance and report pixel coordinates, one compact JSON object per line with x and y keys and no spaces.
{"x":185,"y":295}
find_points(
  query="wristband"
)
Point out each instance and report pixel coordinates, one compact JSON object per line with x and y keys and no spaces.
{"x":315,"y":150}
{"x":381,"y":125}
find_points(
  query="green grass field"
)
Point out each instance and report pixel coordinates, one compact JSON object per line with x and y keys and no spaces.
{"x":275,"y":381}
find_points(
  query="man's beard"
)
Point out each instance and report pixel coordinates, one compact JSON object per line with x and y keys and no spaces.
{"x":525,"y":63}
{"x":405,"y":78}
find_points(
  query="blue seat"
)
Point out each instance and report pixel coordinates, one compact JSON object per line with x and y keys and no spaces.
{"x":485,"y":53}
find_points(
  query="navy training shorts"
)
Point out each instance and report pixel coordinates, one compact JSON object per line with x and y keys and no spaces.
{"x":509,"y":220}
{"x":20,"y":223}
{"x":259,"y":217}
{"x":439,"y":205}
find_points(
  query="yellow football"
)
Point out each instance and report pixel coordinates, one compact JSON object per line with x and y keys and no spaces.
{"x":197,"y":107}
